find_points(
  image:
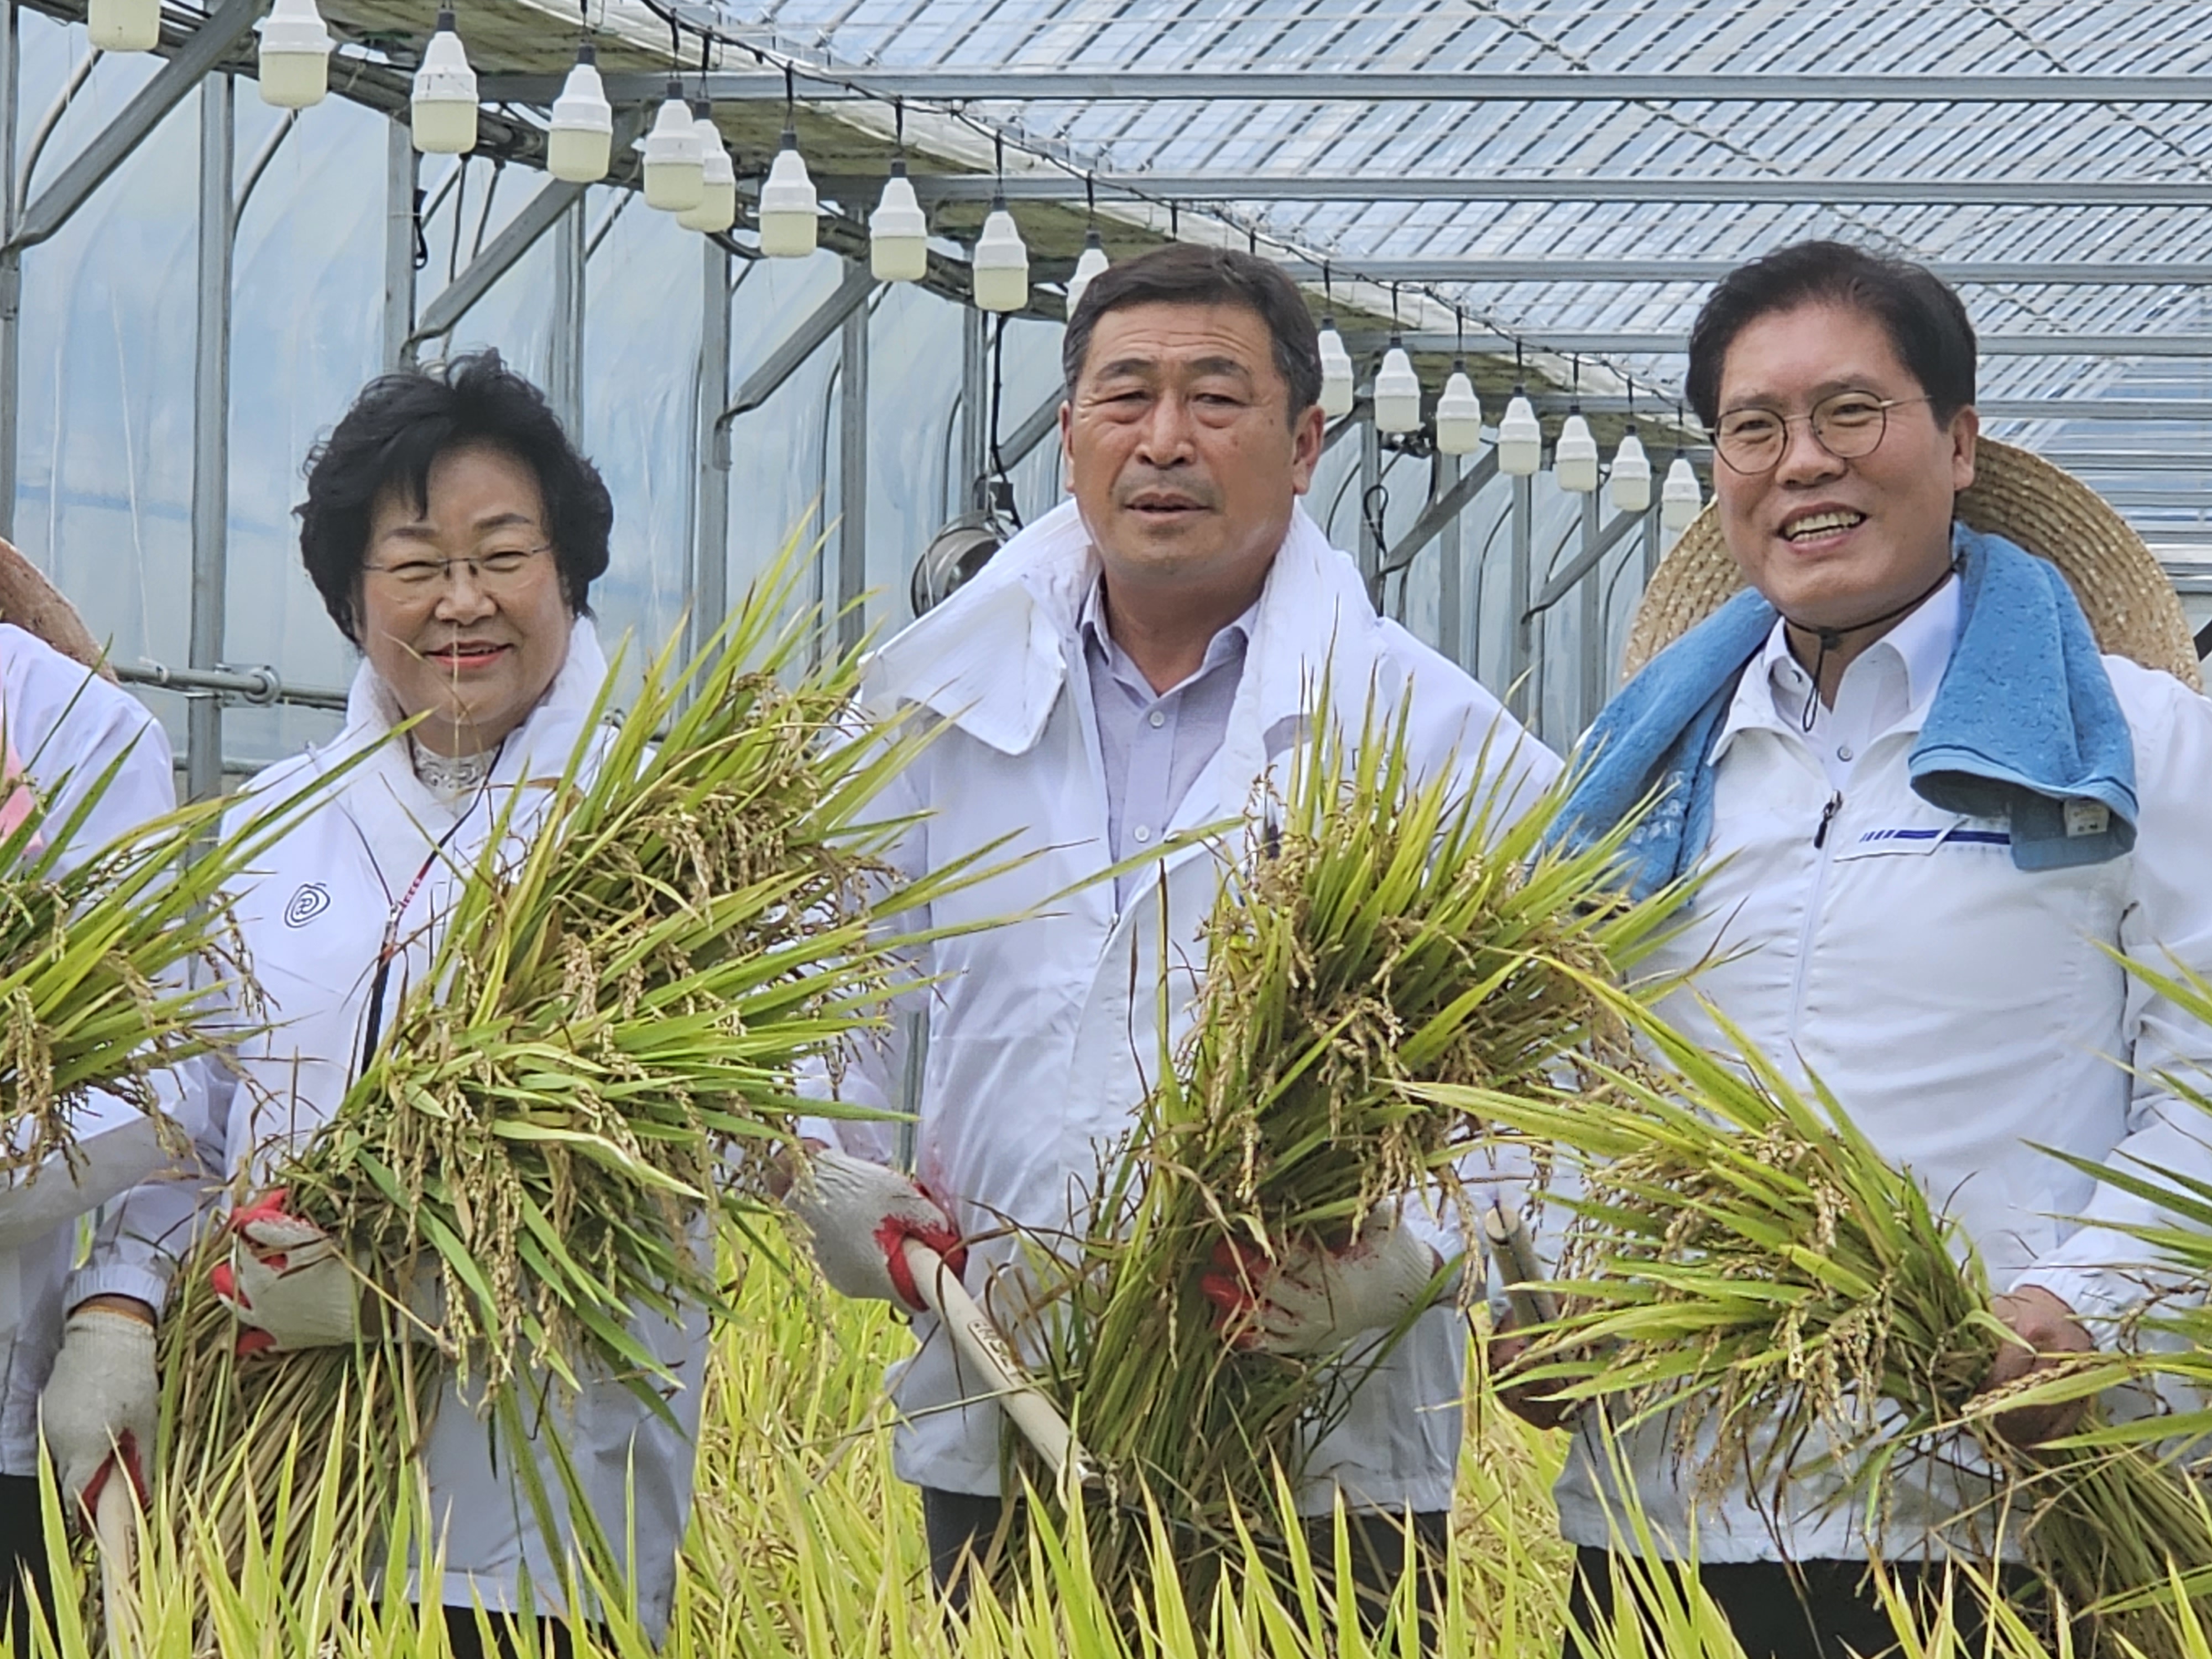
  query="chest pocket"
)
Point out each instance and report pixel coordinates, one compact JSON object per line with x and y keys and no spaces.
{"x":1936,"y":896}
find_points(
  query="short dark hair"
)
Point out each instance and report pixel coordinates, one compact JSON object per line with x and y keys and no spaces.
{"x":1189,"y":274}
{"x":1924,"y":320}
{"x":397,"y":430}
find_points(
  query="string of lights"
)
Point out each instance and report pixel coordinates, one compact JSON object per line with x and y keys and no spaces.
{"x":687,"y":171}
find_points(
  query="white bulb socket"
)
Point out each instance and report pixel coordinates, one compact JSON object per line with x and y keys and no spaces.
{"x":1397,"y":391}
{"x":1574,"y":458}
{"x":1631,"y":484}
{"x":1000,"y":262}
{"x":718,"y":194}
{"x":124,"y":25}
{"x":1459,"y":416}
{"x":294,"y":56}
{"x":443,"y":107}
{"x":580,"y":145}
{"x":898,"y":231}
{"x":1520,"y":440}
{"x":1338,"y":381}
{"x":675,"y":164}
{"x":1089,"y":266}
{"x":1680,"y":498}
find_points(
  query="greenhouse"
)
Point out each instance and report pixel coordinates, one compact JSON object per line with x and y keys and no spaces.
{"x":795,"y":276}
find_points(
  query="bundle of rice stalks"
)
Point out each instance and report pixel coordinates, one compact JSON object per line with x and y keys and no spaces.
{"x":97,"y":957}
{"x":564,"y":1106}
{"x":1383,"y":929}
{"x":1743,"y":1262}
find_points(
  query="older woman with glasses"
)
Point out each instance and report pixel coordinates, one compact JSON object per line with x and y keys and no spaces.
{"x":453,"y":532}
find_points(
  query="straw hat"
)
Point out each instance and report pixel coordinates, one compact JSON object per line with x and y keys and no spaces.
{"x":2131,"y":607}
{"x":36,"y":605}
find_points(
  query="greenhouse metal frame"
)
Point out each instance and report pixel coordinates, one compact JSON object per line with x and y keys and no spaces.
{"x":1546,"y":191}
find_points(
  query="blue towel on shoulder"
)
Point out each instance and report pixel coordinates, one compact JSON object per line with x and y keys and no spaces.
{"x":2024,"y":726}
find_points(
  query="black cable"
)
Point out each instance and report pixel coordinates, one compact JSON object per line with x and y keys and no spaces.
{"x":998,"y":461}
{"x":793,"y":67}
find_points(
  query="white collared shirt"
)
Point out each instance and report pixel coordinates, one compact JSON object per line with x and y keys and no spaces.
{"x":1894,"y":677}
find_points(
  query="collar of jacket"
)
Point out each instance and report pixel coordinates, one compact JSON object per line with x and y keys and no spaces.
{"x":537,"y":750}
{"x":992,"y":661}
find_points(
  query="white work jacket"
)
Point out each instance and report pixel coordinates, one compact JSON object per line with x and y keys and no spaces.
{"x":380,"y":849}
{"x":1965,"y":1013}
{"x":1042,"y":1034}
{"x":68,"y":725}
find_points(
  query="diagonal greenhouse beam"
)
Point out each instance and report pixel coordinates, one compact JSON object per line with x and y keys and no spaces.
{"x":802,"y":343}
{"x":516,"y":238}
{"x":1584,"y":563}
{"x":1066,"y":85}
{"x":1036,"y":426}
{"x":1438,"y":513}
{"x":211,"y":43}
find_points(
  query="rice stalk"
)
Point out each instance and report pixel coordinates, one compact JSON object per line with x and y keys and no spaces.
{"x":1744,"y":1264}
{"x":618,"y":999}
{"x":1381,"y":929}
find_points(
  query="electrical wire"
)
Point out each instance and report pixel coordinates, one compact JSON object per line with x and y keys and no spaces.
{"x":794,"y":68}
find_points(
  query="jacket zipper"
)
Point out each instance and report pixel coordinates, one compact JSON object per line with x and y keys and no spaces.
{"x":1827,"y":817}
{"x":1813,"y":908}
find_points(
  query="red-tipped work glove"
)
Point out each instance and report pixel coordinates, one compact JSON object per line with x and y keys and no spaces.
{"x":861,"y":1214}
{"x":1315,"y":1298}
{"x":286,"y":1280}
{"x":100,"y":1403}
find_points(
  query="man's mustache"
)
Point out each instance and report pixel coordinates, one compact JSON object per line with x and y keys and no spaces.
{"x":1128,"y":491}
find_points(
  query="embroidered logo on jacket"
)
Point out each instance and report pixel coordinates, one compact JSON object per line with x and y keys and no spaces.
{"x":310,"y":902}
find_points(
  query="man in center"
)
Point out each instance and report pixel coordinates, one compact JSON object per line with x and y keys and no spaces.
{"x":1127,"y":669}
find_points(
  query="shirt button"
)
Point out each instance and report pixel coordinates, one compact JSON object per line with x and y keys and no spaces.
{"x":1843,"y":751}
{"x":1157,"y":718}
{"x":1143,"y":835}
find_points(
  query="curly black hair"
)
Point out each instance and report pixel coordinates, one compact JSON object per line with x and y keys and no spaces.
{"x":399,"y":426}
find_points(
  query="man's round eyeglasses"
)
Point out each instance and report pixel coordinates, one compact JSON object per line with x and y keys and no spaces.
{"x":1848,"y":425}
{"x":495,"y":573}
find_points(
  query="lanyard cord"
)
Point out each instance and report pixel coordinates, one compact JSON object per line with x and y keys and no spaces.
{"x":388,"y":951}
{"x":1830,"y":638}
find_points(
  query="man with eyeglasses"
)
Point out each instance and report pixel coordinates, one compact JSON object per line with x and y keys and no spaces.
{"x":1930,"y":818}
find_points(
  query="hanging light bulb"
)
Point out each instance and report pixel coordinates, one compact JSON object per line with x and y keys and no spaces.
{"x":898,"y":231}
{"x":1631,"y":475}
{"x":1337,"y":380}
{"x":1574,"y":458}
{"x":295,"y":56}
{"x":675,"y":165}
{"x":579,"y":146}
{"x":1520,"y":439}
{"x":1459,"y":414}
{"x":718,"y":179}
{"x":1091,"y":261}
{"x":1397,"y":390}
{"x":788,"y":203}
{"x":1001,"y":263}
{"x":1679,"y":497}
{"x":124,"y":25}
{"x":441,"y":109}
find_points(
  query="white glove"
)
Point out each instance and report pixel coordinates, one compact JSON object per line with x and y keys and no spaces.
{"x":100,"y":1402}
{"x":288,"y":1281}
{"x":861,"y":1214}
{"x":1315,"y":1299}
